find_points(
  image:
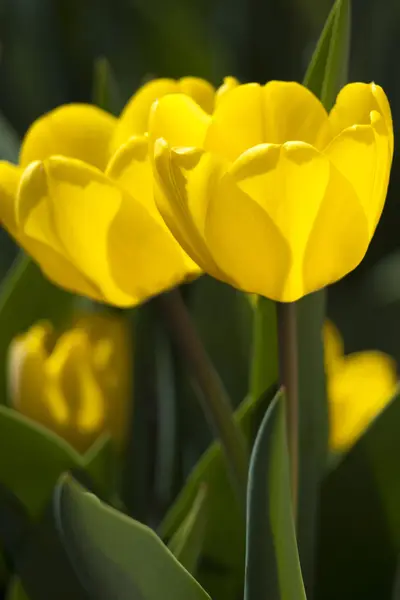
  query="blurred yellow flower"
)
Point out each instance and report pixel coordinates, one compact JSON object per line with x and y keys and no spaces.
{"x":359,"y":386}
{"x":77,"y":385}
{"x":81,"y":201}
{"x":271,"y":194}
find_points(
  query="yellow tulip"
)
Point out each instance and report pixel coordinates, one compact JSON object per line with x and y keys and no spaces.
{"x":359,"y":386}
{"x":81,"y":201}
{"x":270,"y":193}
{"x":78,"y":384}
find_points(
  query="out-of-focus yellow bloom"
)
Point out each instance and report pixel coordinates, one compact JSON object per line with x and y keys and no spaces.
{"x":271,"y":194}
{"x":359,"y":386}
{"x":77,"y":385}
{"x":81,"y":204}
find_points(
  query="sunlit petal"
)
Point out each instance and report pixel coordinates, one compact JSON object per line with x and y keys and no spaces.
{"x":275,"y":113}
{"x":76,"y":130}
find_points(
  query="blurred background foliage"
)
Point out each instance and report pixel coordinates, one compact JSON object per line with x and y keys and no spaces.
{"x":48,"y":49}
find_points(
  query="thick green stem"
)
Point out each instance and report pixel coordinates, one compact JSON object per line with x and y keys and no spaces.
{"x":264,"y":363}
{"x":289,"y":379}
{"x":214,"y":399}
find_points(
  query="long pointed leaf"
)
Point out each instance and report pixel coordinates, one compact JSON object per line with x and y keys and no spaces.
{"x":115,"y":556}
{"x":325,"y":76}
{"x":272,"y":560}
{"x":187,"y":542}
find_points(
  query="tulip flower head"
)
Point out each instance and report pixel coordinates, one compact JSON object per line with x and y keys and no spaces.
{"x":271,"y":193}
{"x":81,"y":200}
{"x":359,"y":386}
{"x":76,"y":385}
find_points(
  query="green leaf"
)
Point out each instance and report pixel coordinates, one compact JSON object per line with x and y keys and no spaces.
{"x":272,"y":560}
{"x":36,"y":554}
{"x":115,"y":556}
{"x":325,"y":76}
{"x":359,"y":526}
{"x":221,"y":568}
{"x":31,"y":459}
{"x":27,"y":296}
{"x":328,"y":69}
{"x":187,"y":542}
{"x":99,"y":462}
{"x":313,"y":426}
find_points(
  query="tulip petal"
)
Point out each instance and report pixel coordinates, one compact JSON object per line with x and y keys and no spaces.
{"x":358,"y":390}
{"x":276,"y":113}
{"x":339,"y":238}
{"x":178,"y":119}
{"x":10,"y":176}
{"x":187,"y":179}
{"x":354,"y":105}
{"x":200,"y":90}
{"x":130,"y":167}
{"x":288,"y":182}
{"x":333,"y":345}
{"x":75,"y":130}
{"x":35,"y":233}
{"x":361,"y":153}
{"x":245,"y":242}
{"x":26,"y":361}
{"x":134,"y":119}
{"x":110,"y":235}
{"x":229,"y":84}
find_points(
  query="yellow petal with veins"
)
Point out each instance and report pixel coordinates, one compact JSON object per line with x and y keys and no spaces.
{"x":339,"y":238}
{"x":187,"y":178}
{"x":362,"y":154}
{"x":131,"y":168}
{"x":243,"y":238}
{"x":109,"y":235}
{"x":75,"y":130}
{"x":275,"y":113}
{"x":354,"y":105}
{"x":309,"y":208}
{"x":35,"y":233}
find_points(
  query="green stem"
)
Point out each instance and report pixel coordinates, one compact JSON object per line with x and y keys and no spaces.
{"x":264,"y":365}
{"x":214,"y":399}
{"x":289,"y":378}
